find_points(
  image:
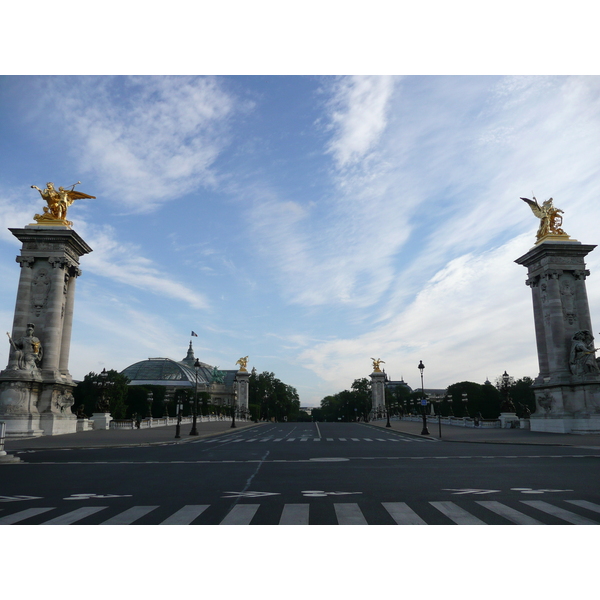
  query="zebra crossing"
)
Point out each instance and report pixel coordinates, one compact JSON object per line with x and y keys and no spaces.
{"x":260,"y":439}
{"x":524,"y":512}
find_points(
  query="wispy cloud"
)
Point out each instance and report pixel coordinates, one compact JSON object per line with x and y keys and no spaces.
{"x":147,"y":139}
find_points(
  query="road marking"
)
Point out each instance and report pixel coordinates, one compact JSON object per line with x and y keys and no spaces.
{"x":240,"y":514}
{"x":585,"y":504}
{"x":17,"y":498}
{"x":23,"y":514}
{"x":340,"y":439}
{"x":75,"y":515}
{"x":185,"y":515}
{"x":403,"y":514}
{"x":304,"y":439}
{"x":252,"y":440}
{"x":468,"y":491}
{"x":367,"y":439}
{"x":514,"y":516}
{"x":277,"y":439}
{"x":561,"y":513}
{"x":294,"y":514}
{"x":355,"y":439}
{"x":317,"y":440}
{"x":349,"y":514}
{"x":291,"y":439}
{"x":130,"y":515}
{"x":457,"y":514}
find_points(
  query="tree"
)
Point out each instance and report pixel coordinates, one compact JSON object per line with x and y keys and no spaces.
{"x":88,"y":391}
{"x":271,"y":399}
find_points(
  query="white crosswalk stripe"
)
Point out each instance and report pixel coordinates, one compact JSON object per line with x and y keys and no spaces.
{"x":130,"y":515}
{"x":561,"y":513}
{"x":514,"y":516}
{"x":294,"y":514}
{"x":185,"y":515}
{"x":349,"y":513}
{"x":346,"y":513}
{"x":402,"y":514}
{"x":457,"y":514}
{"x":241,"y":514}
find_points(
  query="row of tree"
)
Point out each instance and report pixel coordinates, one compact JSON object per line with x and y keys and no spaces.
{"x":461,"y":399}
{"x":269,"y":398}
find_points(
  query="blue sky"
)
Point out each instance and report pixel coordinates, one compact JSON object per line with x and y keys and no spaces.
{"x":309,"y":222}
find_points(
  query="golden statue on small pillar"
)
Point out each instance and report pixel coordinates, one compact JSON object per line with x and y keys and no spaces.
{"x":550,"y":219}
{"x":376,"y":364}
{"x":243,"y":362}
{"x":58,"y":202}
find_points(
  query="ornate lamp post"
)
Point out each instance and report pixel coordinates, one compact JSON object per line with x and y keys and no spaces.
{"x":465,"y":399}
{"x":179,"y":400}
{"x":233,"y":405}
{"x":149,"y":400}
{"x":425,"y":431}
{"x":194,"y":431}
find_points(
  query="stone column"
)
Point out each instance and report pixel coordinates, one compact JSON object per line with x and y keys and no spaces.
{"x":378,"y":392}
{"x":37,"y":399}
{"x":242,"y":382}
{"x":567,"y":390}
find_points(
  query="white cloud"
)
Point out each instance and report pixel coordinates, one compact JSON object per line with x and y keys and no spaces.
{"x":358,"y":116}
{"x":149,"y":140}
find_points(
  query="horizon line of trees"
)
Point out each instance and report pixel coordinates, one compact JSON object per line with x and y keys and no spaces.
{"x":465,"y":398}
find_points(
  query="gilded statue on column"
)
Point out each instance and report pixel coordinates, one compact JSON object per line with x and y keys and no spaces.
{"x":243,"y":362}
{"x":58,"y":201}
{"x":550,"y":218}
{"x":377,"y":364}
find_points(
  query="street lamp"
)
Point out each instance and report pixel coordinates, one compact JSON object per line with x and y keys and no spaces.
{"x":149,"y":400}
{"x":168,"y":398}
{"x":421,"y":367}
{"x":465,"y":399}
{"x":179,"y":400}
{"x":194,"y":431}
{"x":233,"y":408}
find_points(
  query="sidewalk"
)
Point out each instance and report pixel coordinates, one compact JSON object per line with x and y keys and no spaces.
{"x":107,"y":438}
{"x":452,"y":433}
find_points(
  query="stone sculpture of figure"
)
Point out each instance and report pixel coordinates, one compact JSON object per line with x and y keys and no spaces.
{"x":58,"y":201}
{"x":508,"y":405}
{"x":243,"y":362}
{"x":376,"y":364}
{"x":582,"y":359}
{"x":28,"y":350}
{"x":550,"y":219}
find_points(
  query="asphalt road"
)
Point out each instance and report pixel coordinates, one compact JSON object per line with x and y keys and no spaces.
{"x":295,"y":473}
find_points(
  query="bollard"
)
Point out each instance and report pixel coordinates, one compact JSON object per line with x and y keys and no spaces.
{"x":2,"y":436}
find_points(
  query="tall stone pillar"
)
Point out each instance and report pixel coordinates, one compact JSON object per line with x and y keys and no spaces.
{"x":378,"y":392}
{"x":567,"y":389}
{"x":242,"y":382}
{"x":36,"y":386}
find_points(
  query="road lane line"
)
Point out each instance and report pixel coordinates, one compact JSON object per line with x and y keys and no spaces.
{"x":130,"y":515}
{"x":403,"y":514}
{"x":294,"y":514}
{"x":514,"y":516}
{"x":349,"y":514}
{"x":185,"y":515}
{"x":23,"y":514}
{"x":75,"y":515}
{"x":457,"y":514}
{"x":241,"y":514}
{"x":561,"y":513}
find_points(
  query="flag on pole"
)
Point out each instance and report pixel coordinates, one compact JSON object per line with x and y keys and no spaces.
{"x":194,"y":334}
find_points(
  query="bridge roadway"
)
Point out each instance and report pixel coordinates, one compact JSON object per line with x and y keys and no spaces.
{"x":302,"y":473}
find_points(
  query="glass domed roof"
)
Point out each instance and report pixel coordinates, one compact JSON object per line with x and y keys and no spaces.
{"x":160,"y":371}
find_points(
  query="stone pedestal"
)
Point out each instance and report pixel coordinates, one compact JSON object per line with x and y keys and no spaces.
{"x":378,"y":392}
{"x":506,"y":419}
{"x":567,"y":389}
{"x":101,"y":420}
{"x":36,"y":386}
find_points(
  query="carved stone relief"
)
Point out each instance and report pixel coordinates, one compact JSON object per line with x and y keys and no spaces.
{"x":40,"y":288}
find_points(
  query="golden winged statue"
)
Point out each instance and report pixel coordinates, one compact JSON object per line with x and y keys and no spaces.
{"x":377,"y":364}
{"x":58,"y":201}
{"x":550,"y":219}
{"x":243,"y":362}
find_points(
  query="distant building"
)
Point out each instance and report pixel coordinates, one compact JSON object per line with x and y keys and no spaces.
{"x":175,"y":375}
